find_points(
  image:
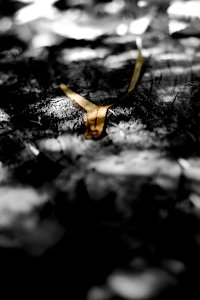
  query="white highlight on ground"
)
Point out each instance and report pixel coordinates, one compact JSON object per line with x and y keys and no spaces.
{"x":36,"y":10}
{"x":187,"y":9}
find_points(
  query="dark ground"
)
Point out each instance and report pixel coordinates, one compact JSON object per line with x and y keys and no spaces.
{"x":115,"y":218}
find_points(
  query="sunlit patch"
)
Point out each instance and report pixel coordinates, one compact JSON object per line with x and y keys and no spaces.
{"x":160,"y":48}
{"x":5,"y":24}
{"x":85,"y":25}
{"x":82,"y":53}
{"x":76,"y":31}
{"x":35,"y":10}
{"x":175,"y":26}
{"x":191,"y":168}
{"x":187,"y":9}
{"x":78,"y":54}
{"x":171,"y":56}
{"x":130,"y":133}
{"x":175,"y":70}
{"x":50,"y":145}
{"x":128,"y":38}
{"x":167,"y":98}
{"x":114,"y":6}
{"x":192,"y":42}
{"x":169,"y":93}
{"x":194,"y":68}
{"x":117,"y":61}
{"x":185,"y":165}
{"x":140,"y":25}
{"x":72,"y":14}
{"x":4,"y":117}
{"x":195,"y":199}
{"x":141,"y":163}
{"x":18,"y":201}
{"x":66,"y":143}
{"x":26,"y":1}
{"x":76,"y":23}
{"x":32,"y":148}
{"x":57,"y":107}
{"x":140,"y":285}
{"x":42,"y":40}
{"x":122,"y":29}
{"x":142,"y":3}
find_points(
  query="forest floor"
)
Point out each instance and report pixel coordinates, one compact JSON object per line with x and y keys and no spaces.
{"x":114,"y":218}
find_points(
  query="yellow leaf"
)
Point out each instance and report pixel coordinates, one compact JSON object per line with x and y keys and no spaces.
{"x":95,"y":117}
{"x":136,"y":72}
{"x":96,"y":114}
{"x":84,"y":103}
{"x":95,"y":121}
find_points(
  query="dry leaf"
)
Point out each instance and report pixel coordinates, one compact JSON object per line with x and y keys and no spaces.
{"x":136,"y":72}
{"x":96,"y":114}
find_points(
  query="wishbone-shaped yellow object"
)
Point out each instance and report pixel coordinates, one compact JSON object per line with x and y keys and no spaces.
{"x":96,"y":114}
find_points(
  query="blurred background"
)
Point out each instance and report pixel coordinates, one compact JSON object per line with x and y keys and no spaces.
{"x":29,"y":27}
